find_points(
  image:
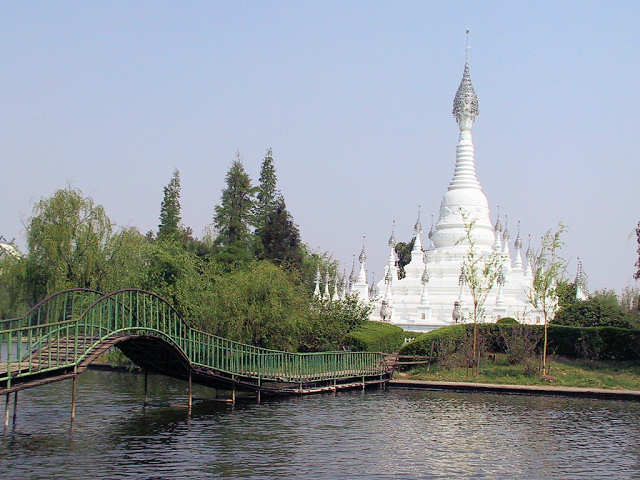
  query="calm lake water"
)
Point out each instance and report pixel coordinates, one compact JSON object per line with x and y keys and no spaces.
{"x":378,"y":434}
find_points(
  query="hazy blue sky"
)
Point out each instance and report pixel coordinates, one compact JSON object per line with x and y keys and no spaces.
{"x":355,"y":99}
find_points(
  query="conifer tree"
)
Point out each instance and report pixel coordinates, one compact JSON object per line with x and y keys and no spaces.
{"x":636,"y":274}
{"x":234,"y":216}
{"x":281,"y":237}
{"x":170,"y":209}
{"x":266,"y":197}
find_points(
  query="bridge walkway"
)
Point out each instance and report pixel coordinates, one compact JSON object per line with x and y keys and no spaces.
{"x":62,"y":335}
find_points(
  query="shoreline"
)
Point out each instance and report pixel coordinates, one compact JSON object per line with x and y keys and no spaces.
{"x":469,"y":387}
{"x":581,"y":392}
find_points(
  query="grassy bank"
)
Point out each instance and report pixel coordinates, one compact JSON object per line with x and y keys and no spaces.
{"x":564,"y":372}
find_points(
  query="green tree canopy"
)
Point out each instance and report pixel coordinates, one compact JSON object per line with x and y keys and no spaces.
{"x":67,"y":238}
{"x":170,"y":214}
{"x":266,"y":198}
{"x":566,"y":292}
{"x":597,"y":311}
{"x":280,"y":237}
{"x":233,"y":217}
{"x":403,"y":250}
{"x":261,"y":305}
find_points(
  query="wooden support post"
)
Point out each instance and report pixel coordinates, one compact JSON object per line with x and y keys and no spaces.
{"x":233,"y":395}
{"x":363,"y":384}
{"x":190,"y":401}
{"x":15,"y":408}
{"x":74,"y":387}
{"x":146,"y":384}
{"x":258,"y":396}
{"x":6,"y":414}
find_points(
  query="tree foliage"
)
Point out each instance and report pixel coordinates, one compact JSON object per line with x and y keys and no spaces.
{"x":170,"y":212}
{"x":548,"y":271}
{"x":566,"y":293}
{"x":403,"y":250}
{"x":267,"y":194}
{"x":480,"y":271}
{"x":479,"y":275}
{"x":597,"y":311}
{"x":256,"y":296}
{"x":67,"y":239}
{"x":280,"y":238}
{"x":234,"y":216}
{"x":330,"y":322}
{"x":636,"y":275}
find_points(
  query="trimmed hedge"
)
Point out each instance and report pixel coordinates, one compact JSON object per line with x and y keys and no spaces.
{"x":375,"y":337}
{"x":601,"y":343}
{"x":422,"y":344}
{"x":507,"y":321}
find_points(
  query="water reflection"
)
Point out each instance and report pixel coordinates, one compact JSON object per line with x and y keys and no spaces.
{"x":394,"y":434}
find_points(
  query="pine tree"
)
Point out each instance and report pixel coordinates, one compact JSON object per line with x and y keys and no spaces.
{"x":636,"y":275}
{"x":170,"y":209}
{"x":234,"y":216}
{"x":281,"y":237}
{"x":267,"y":192}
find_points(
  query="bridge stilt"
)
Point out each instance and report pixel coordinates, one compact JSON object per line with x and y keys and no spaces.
{"x":15,"y":408}
{"x":145,"y":387}
{"x":74,"y":388}
{"x":258,"y":397}
{"x":190,"y":400}
{"x":6,"y":414}
{"x":233,"y":395}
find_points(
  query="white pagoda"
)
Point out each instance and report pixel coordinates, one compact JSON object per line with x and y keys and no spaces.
{"x":432,"y":293}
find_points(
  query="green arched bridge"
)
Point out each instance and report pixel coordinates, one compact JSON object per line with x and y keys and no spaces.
{"x":64,"y":333}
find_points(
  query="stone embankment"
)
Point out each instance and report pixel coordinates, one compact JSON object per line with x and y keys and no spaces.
{"x":518,"y":389}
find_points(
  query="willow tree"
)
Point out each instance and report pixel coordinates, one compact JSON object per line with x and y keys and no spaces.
{"x":67,"y":238}
{"x":548,"y":270}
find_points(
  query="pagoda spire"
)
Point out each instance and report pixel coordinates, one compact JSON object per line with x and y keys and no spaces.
{"x":362,"y":277}
{"x":528,"y":258}
{"x":465,"y":110}
{"x":352,"y":276}
{"x":327,"y":295}
{"x":417,"y":228}
{"x":360,"y":287}
{"x":316,"y":291}
{"x":517,"y":245}
{"x":580,"y":282}
{"x":506,"y":254}
{"x":343,"y":283}
{"x":392,"y":238}
{"x":391,"y":262}
{"x":497,"y":229}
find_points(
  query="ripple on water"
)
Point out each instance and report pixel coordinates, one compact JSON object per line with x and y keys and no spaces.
{"x":393,"y":434}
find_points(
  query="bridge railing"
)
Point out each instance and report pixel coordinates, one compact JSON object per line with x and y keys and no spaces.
{"x":35,"y":345}
{"x":60,"y":306}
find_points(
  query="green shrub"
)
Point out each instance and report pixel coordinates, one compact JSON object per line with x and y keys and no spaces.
{"x":591,"y":343}
{"x":595,"y":343}
{"x":507,"y":321}
{"x":422,"y":344}
{"x":375,"y":337}
{"x":593,"y":312}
